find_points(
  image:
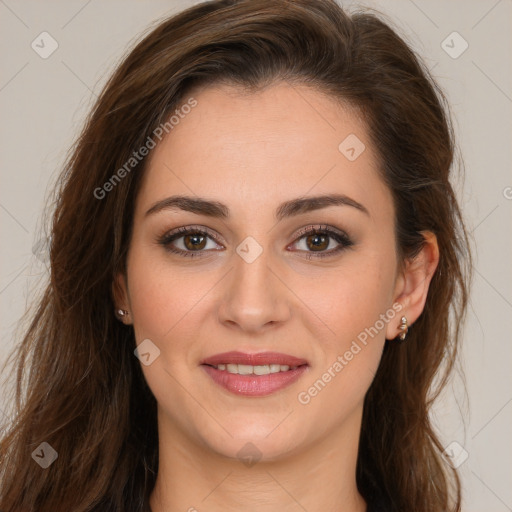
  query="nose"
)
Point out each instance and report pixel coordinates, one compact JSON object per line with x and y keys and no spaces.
{"x":255,"y":295}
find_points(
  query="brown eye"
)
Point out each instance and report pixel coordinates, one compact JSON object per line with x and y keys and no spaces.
{"x":189,"y":241}
{"x":194,"y":242}
{"x":316,"y":241}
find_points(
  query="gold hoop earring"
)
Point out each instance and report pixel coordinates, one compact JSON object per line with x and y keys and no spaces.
{"x":404,"y":328}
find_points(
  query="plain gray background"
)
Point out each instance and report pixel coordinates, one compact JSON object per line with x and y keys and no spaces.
{"x":43,"y":102}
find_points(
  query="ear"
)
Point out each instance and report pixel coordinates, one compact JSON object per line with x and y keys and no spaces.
{"x":121,"y":297}
{"x":412,"y":284}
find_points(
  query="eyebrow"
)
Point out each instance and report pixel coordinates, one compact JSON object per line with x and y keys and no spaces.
{"x":216,"y":209}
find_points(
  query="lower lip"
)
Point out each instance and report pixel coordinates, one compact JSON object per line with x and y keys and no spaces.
{"x":254,"y":385}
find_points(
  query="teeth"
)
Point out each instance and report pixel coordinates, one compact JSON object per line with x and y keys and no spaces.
{"x":262,"y":370}
{"x":247,"y":369}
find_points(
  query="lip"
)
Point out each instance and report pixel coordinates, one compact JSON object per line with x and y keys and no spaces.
{"x":254,"y":385}
{"x":260,"y":358}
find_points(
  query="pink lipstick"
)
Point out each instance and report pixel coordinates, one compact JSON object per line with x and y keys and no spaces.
{"x":254,"y":375}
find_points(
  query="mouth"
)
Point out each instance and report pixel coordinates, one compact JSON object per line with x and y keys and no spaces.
{"x":247,"y":369}
{"x":254,"y":375}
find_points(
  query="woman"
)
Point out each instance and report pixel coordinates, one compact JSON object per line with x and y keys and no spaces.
{"x":258,"y":269}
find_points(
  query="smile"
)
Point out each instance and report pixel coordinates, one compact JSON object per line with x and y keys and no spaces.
{"x":244,"y":380}
{"x":247,"y":369}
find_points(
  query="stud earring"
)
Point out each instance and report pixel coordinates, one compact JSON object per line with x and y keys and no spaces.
{"x":122,"y":313}
{"x":404,"y":328}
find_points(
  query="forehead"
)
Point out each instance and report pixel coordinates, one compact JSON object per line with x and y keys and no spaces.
{"x":257,"y":149}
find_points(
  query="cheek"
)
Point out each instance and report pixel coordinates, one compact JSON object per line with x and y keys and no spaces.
{"x":164,"y":302}
{"x":355,"y":308}
{"x":161,"y":299}
{"x":353,"y":297}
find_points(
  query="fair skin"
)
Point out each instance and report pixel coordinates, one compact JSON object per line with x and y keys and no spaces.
{"x":252,"y":152}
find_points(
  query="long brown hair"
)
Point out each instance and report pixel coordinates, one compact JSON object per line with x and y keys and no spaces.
{"x":79,"y":387}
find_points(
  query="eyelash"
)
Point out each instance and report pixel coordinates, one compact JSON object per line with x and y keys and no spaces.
{"x":340,"y":237}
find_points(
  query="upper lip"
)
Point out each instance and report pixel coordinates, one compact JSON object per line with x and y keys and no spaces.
{"x":259,"y":359}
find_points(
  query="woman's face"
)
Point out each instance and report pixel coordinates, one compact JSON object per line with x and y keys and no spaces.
{"x":256,"y":282}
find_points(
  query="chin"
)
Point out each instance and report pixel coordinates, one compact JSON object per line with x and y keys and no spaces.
{"x":256,"y":443}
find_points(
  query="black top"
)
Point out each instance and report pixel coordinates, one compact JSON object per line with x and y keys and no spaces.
{"x":376,"y":506}
{"x":377,"y":503}
{"x":376,"y":500}
{"x":374,"y":492}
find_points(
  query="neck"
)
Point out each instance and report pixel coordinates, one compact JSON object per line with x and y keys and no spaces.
{"x":320,"y":477}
